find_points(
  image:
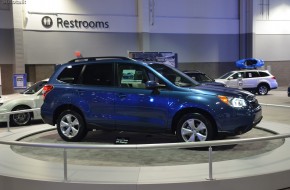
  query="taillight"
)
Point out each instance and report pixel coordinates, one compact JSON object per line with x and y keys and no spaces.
{"x":46,"y":89}
{"x":273,"y":77}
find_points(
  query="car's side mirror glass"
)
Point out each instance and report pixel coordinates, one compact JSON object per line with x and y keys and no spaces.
{"x":152,"y":85}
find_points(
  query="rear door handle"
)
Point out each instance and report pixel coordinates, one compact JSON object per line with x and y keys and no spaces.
{"x":122,"y":96}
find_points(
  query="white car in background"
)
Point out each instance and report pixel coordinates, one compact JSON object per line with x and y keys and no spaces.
{"x":28,"y":99}
{"x":255,"y":81}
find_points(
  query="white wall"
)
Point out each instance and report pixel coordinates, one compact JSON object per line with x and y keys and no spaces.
{"x":272,"y":30}
{"x":96,"y":7}
{"x":5,"y":19}
{"x":195,"y":16}
{"x":198,"y":30}
{"x":166,"y":16}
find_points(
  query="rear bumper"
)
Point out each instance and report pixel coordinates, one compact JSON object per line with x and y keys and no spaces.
{"x":46,"y":117}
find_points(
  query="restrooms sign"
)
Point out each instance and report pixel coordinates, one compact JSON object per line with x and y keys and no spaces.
{"x":47,"y":22}
{"x":80,"y":23}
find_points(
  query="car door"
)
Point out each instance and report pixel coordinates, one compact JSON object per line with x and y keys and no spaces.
{"x":138,"y":108}
{"x":233,"y":80}
{"x":251,"y":79}
{"x":97,"y":94}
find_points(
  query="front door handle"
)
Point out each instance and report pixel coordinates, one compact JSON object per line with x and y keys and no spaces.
{"x":81,"y":92}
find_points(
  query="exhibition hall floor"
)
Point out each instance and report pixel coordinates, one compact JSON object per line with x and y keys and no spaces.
{"x":153,"y":157}
{"x":258,"y":165}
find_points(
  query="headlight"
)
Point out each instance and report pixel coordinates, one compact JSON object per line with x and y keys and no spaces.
{"x":233,"y":101}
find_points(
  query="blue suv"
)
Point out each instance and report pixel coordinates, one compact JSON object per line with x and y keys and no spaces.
{"x":119,"y":93}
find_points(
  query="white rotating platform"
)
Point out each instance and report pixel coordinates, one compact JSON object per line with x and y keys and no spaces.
{"x":270,"y":170}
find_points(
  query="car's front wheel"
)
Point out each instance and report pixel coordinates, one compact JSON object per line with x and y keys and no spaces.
{"x":20,"y":119}
{"x":194,"y":127}
{"x":71,"y":126}
{"x":263,"y":89}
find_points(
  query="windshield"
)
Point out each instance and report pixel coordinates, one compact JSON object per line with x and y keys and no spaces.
{"x":175,"y":76}
{"x":225,"y":76}
{"x":199,"y":77}
{"x":34,"y":88}
{"x":205,"y":78}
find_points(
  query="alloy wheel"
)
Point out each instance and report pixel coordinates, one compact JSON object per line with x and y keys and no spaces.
{"x":194,"y":130}
{"x":69,"y":126}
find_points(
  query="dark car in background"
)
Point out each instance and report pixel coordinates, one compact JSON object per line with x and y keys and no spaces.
{"x":203,"y":78}
{"x":91,"y":93}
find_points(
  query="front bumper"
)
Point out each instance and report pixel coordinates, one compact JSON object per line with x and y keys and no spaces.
{"x":240,"y":122}
{"x":3,"y":115}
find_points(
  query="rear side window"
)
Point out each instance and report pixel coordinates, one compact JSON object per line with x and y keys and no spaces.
{"x":252,"y":74}
{"x":101,"y":74}
{"x":70,"y":74}
{"x":263,"y":74}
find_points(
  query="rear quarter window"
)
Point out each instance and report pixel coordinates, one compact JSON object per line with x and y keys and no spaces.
{"x":70,"y":74}
{"x":263,"y":74}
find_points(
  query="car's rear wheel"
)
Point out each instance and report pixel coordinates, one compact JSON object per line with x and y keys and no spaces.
{"x":71,"y":126}
{"x":263,"y":89}
{"x":194,"y":127}
{"x":20,"y":119}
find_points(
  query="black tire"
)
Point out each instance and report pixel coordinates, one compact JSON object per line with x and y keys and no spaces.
{"x":71,"y":126}
{"x":263,"y":89}
{"x":20,"y":119}
{"x":194,"y":127}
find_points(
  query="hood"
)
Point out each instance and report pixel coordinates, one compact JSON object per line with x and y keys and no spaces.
{"x":213,"y":83}
{"x":5,"y":98}
{"x":220,"y":90}
{"x":221,"y":80}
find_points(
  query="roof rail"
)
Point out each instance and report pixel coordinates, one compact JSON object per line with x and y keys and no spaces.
{"x":96,"y":58}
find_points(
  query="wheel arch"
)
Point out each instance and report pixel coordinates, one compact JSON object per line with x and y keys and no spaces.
{"x":184,"y":111}
{"x":264,"y":83}
{"x":60,"y":109}
{"x":25,"y":106}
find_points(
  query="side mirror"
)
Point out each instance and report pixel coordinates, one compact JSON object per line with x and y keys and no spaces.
{"x":230,"y":78}
{"x":152,"y":85}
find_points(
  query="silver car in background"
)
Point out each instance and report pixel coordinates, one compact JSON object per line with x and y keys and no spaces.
{"x":255,"y":81}
{"x":28,"y":99}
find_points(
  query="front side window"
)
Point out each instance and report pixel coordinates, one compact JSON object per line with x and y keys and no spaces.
{"x":225,"y":76}
{"x":236,"y":76}
{"x":132,"y":76}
